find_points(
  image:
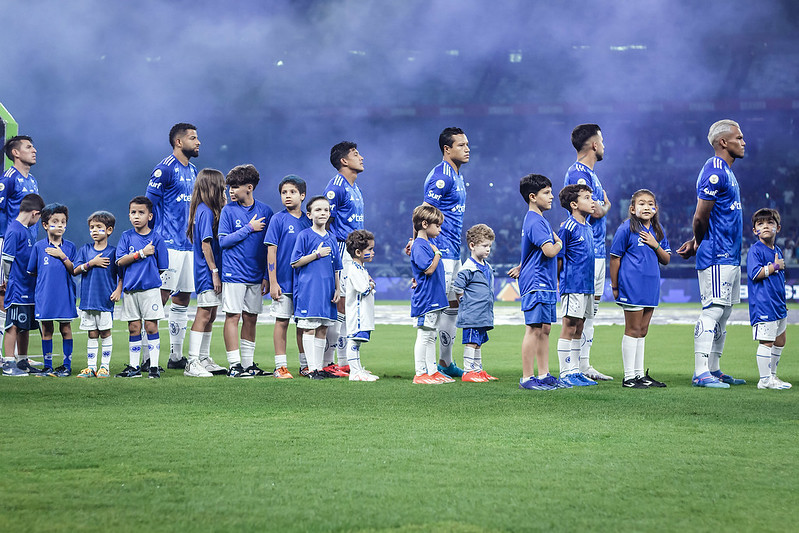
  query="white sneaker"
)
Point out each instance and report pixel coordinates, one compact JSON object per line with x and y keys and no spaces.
{"x":596,"y":375}
{"x":780,"y":383}
{"x":362,"y":375}
{"x":764,"y":383}
{"x":195,"y":369}
{"x":211,"y":366}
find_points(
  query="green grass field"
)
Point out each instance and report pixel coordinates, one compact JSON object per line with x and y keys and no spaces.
{"x":217,"y":454}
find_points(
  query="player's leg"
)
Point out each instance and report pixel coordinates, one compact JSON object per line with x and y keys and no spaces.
{"x":447,"y":330}
{"x":587,"y":338}
{"x":202,"y":319}
{"x":92,"y":347}
{"x":132,"y":370}
{"x":714,"y":300}
{"x":646,"y":318}
{"x":65,"y":328}
{"x":309,"y":334}
{"x":776,"y":352}
{"x":106,"y":347}
{"x":341,"y":318}
{"x":47,"y":345}
{"x":301,"y":351}
{"x":279,"y":341}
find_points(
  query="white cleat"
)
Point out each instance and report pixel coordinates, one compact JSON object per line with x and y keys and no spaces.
{"x":211,"y":366}
{"x":780,"y":383}
{"x":362,"y":375}
{"x":772,"y":382}
{"x":596,"y":375}
{"x":195,"y":369}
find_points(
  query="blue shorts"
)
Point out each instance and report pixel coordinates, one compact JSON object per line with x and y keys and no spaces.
{"x":541,"y":313}
{"x":362,"y":336}
{"x":22,"y":316}
{"x":478,"y":336}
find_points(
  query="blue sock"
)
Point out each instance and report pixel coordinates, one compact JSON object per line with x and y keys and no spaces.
{"x":47,"y":350}
{"x":66,"y":345}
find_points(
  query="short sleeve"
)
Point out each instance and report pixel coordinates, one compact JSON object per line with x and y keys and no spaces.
{"x":204,"y":228}
{"x":711,"y":185}
{"x":33,"y":260}
{"x":754,"y":262}
{"x":541,"y":233}
{"x":161,"y":254}
{"x":225,"y":222}
{"x":618,"y":247}
{"x":422,"y":255}
{"x":159,"y":180}
{"x":299,"y":247}
{"x":437,"y":188}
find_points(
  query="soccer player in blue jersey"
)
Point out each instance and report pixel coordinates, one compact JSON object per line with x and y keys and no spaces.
{"x":538,"y":278}
{"x":576,"y":275}
{"x":768,"y":313}
{"x":429,"y":295}
{"x":51,"y":262}
{"x":207,"y":201}
{"x":100,"y":287}
{"x":445,"y":189}
{"x":281,"y":235}
{"x":587,"y":140}
{"x":317,"y":287}
{"x":141,"y":258}
{"x":242,"y":227}
{"x":170,"y":187}
{"x":639,"y":248}
{"x":19,"y":287}
{"x":718,"y":230}
{"x":346,"y":215}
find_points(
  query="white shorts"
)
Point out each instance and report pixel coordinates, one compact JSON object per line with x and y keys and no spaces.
{"x":769,"y":331}
{"x":577,"y":305}
{"x":451,"y":269}
{"x":96,"y":320}
{"x":720,"y":285}
{"x":427,"y":321}
{"x":209,"y":298}
{"x":313,"y":323}
{"x":631,"y":308}
{"x":599,"y":276}
{"x":346,"y":259}
{"x":238,"y":297}
{"x":179,"y":277}
{"x":142,"y":305}
{"x":283,"y":307}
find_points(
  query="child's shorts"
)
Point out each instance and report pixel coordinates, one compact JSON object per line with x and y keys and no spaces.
{"x":93,"y":320}
{"x":21,"y":316}
{"x":313,"y":323}
{"x":769,"y":331}
{"x":283,"y":307}
{"x":238,"y":297}
{"x":478,"y":336}
{"x":209,"y":298}
{"x":575,"y":305}
{"x":631,"y":308}
{"x":427,"y":321}
{"x":361,"y":336}
{"x":142,"y":305}
{"x":537,"y":312}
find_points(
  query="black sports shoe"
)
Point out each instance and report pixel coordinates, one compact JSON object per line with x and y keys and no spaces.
{"x":180,"y":363}
{"x":129,"y":372}
{"x":26,"y":366}
{"x":256,"y":372}
{"x":634,"y":383}
{"x":317,"y":374}
{"x":304,"y":372}
{"x":237,"y":371}
{"x":325,"y":374}
{"x":62,"y":372}
{"x":154,"y":372}
{"x":651,"y":382}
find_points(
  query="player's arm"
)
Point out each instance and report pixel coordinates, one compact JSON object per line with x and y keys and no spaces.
{"x":271,"y":270}
{"x":117,"y":294}
{"x":700,"y":224}
{"x":208,"y":254}
{"x":770,"y":268}
{"x":551,"y":249}
{"x":436,"y":260}
{"x":601,"y":210}
{"x":137,"y":255}
{"x":320,"y":252}
{"x":615,"y":263}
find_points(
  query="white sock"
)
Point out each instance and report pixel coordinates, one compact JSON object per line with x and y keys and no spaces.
{"x":776,"y":351}
{"x":574,"y":356}
{"x":2,"y":330}
{"x":307,"y":343}
{"x":446,"y":335}
{"x":629,"y":346}
{"x":430,"y":353}
{"x":587,"y":341}
{"x":319,"y":352}
{"x":195,"y":341}
{"x":354,"y":356}
{"x":424,"y":339}
{"x":134,"y":351}
{"x":639,"y":356}
{"x":478,"y":358}
{"x":108,"y":347}
{"x":564,"y":356}
{"x":205,"y":345}
{"x":154,"y":345}
{"x":764,"y":361}
{"x":234,"y":357}
{"x":281,"y":360}
{"x":469,"y":362}
{"x":330,"y":345}
{"x":247,"y":353}
{"x":703,"y":341}
{"x":342,"y":350}
{"x":178,"y":318}
{"x":145,"y":347}
{"x":302,"y":358}
{"x":91,"y":353}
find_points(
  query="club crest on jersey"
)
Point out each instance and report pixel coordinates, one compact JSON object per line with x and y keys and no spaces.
{"x":131,"y":249}
{"x":157,"y":173}
{"x":714,"y":179}
{"x":582,"y":181}
{"x":330,"y":195}
{"x":440,"y":184}
{"x":2,"y":186}
{"x":46,"y":259}
{"x":238,"y":223}
{"x":291,"y":228}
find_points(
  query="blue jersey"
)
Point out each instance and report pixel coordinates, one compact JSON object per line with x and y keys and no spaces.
{"x":14,"y":187}
{"x":170,"y":188}
{"x":539,"y":273}
{"x":639,"y":269}
{"x":282,"y":233}
{"x":766,"y":296}
{"x":17,"y":246}
{"x":722,"y":242}
{"x":445,"y":189}
{"x":97,"y":283}
{"x":577,"y":254}
{"x":315,"y":283}
{"x":55,"y":288}
{"x":579,"y":174}
{"x":430,"y":293}
{"x":142,"y":274}
{"x":243,"y":250}
{"x":346,"y":207}
{"x":203,"y":231}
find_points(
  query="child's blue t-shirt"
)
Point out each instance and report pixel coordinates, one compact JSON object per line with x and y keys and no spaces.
{"x":577,"y":274}
{"x":97,"y":284}
{"x":430,"y":293}
{"x":639,"y":269}
{"x":243,"y":250}
{"x":282,"y":233}
{"x":315,"y":283}
{"x":766,"y":296}
{"x":17,"y":246}
{"x":203,"y":231}
{"x":142,"y":274}
{"x":539,"y":273}
{"x":55,"y":289}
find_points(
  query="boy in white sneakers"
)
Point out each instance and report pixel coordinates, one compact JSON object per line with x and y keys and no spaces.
{"x":360,"y":300}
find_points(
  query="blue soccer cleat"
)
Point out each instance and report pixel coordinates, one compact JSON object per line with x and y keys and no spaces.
{"x":585,"y":379}
{"x":574,"y":380}
{"x":534,"y":384}
{"x":452,"y":370}
{"x":705,"y":379}
{"x":725,"y":378}
{"x":555,"y":382}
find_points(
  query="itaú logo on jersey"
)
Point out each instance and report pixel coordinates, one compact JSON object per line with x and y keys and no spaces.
{"x":183,"y":197}
{"x":355,"y":218}
{"x":735,"y":206}
{"x":460,"y":208}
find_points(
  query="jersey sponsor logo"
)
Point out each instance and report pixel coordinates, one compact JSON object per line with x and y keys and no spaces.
{"x":291,"y":228}
{"x":735,"y":206}
{"x":183,"y":197}
{"x":131,"y":249}
{"x":440,"y":184}
{"x":154,"y":184}
{"x":763,"y":317}
{"x":46,"y":260}
{"x":238,"y":223}
{"x":433,"y":196}
{"x":709,"y":192}
{"x":460,"y":208}
{"x":355,"y":217}
{"x":714,"y":179}
{"x":157,"y":173}
{"x":640,"y":241}
{"x":330,"y":195}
